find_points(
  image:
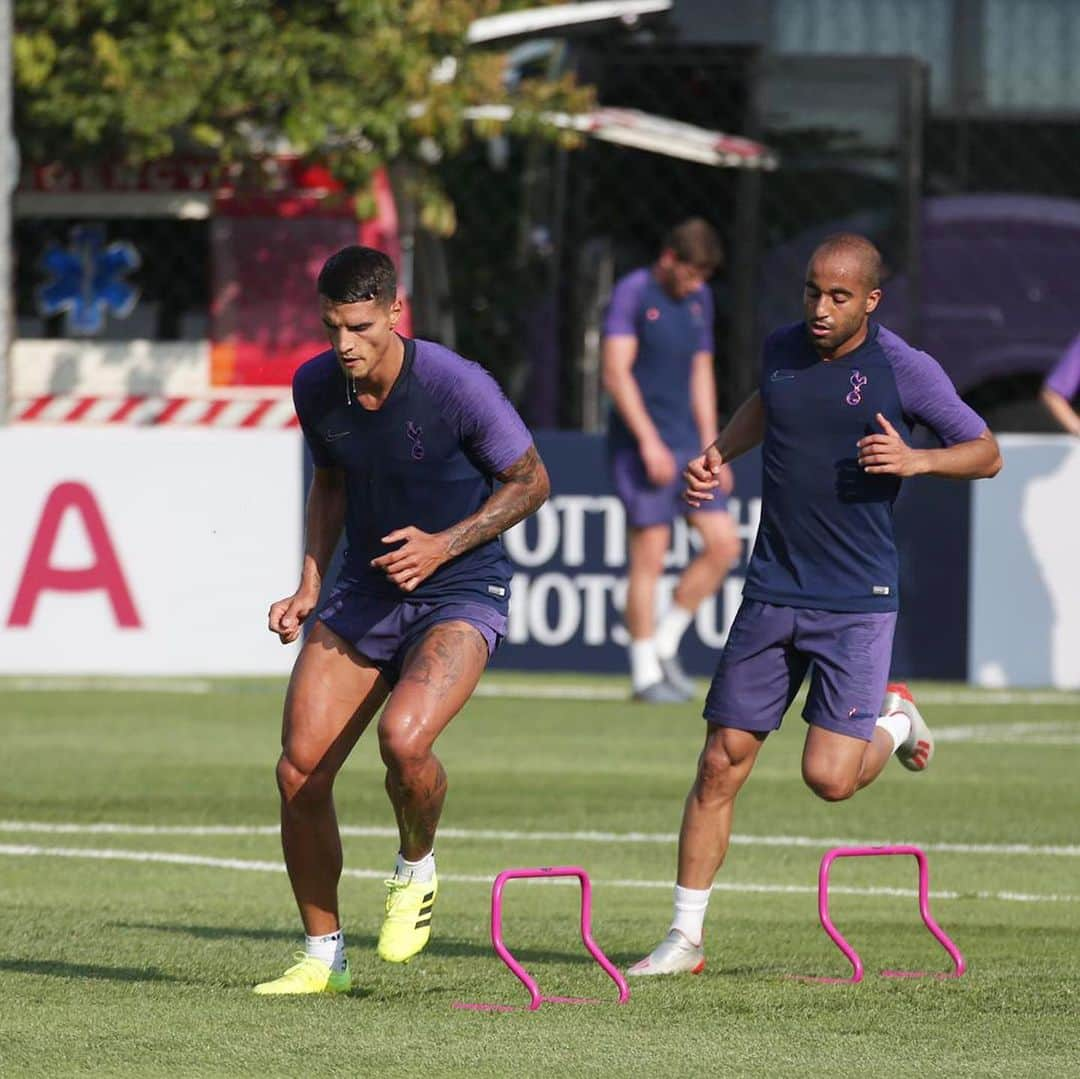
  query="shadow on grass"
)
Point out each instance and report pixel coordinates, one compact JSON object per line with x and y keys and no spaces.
{"x":53,"y":968}
{"x":440,"y":947}
{"x":455,"y":949}
{"x":221,"y":932}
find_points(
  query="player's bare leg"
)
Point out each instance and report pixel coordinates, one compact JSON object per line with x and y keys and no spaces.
{"x":333,"y":695}
{"x":723,"y":767}
{"x":438,"y":677}
{"x":835,"y":766}
{"x":720,"y":547}
{"x":646,"y":549}
{"x":720,"y":550}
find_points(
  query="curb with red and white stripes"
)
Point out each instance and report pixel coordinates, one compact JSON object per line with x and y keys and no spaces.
{"x":156,"y":411}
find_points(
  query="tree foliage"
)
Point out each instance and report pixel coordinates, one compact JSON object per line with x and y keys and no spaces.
{"x":356,"y":84}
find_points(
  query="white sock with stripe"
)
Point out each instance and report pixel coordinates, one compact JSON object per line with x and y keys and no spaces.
{"x":329,"y":948}
{"x":417,"y":872}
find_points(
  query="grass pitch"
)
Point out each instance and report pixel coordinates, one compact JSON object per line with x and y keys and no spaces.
{"x":141,"y":894}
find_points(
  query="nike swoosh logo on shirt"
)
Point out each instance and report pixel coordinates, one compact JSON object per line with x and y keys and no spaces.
{"x":335,"y":435}
{"x":780,"y":376}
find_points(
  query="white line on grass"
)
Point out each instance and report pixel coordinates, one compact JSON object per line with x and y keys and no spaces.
{"x":1018,"y":734}
{"x":514,"y":690}
{"x":172,"y":858}
{"x":960,"y":695}
{"x":67,"y":684}
{"x":500,"y":835}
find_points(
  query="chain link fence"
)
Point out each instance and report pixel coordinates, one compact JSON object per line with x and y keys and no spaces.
{"x":961,"y":162}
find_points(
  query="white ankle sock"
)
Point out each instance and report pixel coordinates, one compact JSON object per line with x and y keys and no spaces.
{"x":330,"y":949}
{"x":690,"y":907}
{"x":644,"y":666}
{"x":672,"y":627}
{"x":898,"y":725}
{"x":420,"y":872}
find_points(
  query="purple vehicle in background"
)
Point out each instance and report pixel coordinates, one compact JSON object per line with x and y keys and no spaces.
{"x":999,"y":292}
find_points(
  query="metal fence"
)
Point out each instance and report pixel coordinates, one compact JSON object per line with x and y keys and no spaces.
{"x":977,"y":214}
{"x":975,"y":204}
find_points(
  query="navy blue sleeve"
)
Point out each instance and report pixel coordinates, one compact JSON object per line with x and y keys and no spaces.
{"x":302,"y":392}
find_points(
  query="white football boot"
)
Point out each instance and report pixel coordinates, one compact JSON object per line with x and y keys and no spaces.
{"x":673,"y":955}
{"x":915,"y":752}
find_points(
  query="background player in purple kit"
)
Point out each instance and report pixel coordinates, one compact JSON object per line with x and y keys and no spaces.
{"x":1061,"y":386}
{"x":838,"y":397}
{"x":658,"y":368}
{"x":408,"y":440}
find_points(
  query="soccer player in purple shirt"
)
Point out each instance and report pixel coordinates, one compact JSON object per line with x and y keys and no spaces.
{"x":408,"y":440}
{"x":1061,"y":386}
{"x":837,"y":399}
{"x":658,"y":369}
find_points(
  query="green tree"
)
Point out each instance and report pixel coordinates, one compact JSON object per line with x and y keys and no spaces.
{"x":356,"y":84}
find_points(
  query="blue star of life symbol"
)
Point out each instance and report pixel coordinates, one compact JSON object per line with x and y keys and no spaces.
{"x":87,"y":280}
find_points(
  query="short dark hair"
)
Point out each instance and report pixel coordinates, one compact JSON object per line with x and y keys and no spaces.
{"x":860,"y":248}
{"x":695,"y":241}
{"x":355,"y":274}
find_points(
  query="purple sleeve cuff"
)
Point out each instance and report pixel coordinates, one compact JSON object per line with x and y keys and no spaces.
{"x":1064,"y":377}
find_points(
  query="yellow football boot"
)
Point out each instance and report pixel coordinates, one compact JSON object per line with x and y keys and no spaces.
{"x":307,"y":975}
{"x":407,"y":925}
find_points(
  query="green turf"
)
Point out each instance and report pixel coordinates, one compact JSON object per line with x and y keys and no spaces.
{"x":133,"y":967}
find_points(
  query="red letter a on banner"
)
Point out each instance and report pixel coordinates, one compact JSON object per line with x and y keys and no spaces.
{"x":105,"y":572}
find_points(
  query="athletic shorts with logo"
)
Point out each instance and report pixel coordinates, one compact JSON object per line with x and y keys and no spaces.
{"x":769,"y":652}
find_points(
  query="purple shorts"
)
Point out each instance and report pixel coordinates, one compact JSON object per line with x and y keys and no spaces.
{"x":383,"y":630}
{"x":769,"y":651}
{"x":646,"y":504}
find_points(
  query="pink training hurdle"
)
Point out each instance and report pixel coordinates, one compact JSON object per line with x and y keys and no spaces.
{"x":924,"y":910}
{"x":535,"y":997}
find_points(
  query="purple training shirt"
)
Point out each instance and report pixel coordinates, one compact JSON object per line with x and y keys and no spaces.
{"x":427,"y":457}
{"x":826,"y":536}
{"x":669,"y":334}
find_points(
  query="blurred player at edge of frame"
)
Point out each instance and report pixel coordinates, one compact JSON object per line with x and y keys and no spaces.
{"x":408,"y":440}
{"x":1061,"y":386}
{"x":658,"y":370}
{"x":838,"y":397}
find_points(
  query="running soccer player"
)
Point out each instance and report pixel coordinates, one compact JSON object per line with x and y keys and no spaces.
{"x":658,"y":369}
{"x":407,"y":439}
{"x":837,"y":399}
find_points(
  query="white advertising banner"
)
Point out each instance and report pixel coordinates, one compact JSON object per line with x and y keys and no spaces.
{"x":135,"y":551}
{"x":1025,"y":573}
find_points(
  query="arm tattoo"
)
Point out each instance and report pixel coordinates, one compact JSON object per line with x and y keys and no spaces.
{"x":525,"y":487}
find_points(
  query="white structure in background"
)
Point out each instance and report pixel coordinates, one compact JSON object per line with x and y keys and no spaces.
{"x":1024,"y":627}
{"x":562,"y":19}
{"x":107,"y":568}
